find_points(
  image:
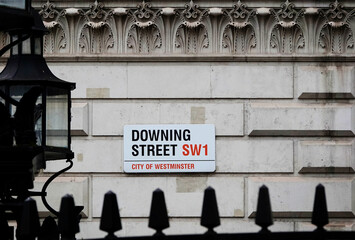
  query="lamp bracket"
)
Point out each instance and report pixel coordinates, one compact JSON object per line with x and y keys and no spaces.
{"x":49,"y":180}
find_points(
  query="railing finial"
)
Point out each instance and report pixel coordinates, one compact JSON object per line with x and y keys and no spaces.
{"x":158,"y":217}
{"x":320,"y":211}
{"x":49,"y":230}
{"x":68,"y":222}
{"x":29,"y":224}
{"x":110,"y":216}
{"x":263,"y":211}
{"x":4,"y":226}
{"x":210,"y":215}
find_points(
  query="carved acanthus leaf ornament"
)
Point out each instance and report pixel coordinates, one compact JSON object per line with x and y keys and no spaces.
{"x":192,"y":35}
{"x":53,"y":20}
{"x":336,"y":35}
{"x":96,"y":35}
{"x":144,"y":35}
{"x":287,"y":36}
{"x":239,"y":34}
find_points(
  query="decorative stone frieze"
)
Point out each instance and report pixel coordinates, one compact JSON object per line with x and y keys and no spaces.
{"x":196,"y":27}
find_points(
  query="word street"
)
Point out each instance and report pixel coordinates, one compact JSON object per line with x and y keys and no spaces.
{"x":169,"y":148}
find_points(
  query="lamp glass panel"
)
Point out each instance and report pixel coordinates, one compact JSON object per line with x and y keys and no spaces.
{"x":27,"y":114}
{"x":26,"y":46}
{"x":57,"y":118}
{"x":19,"y":4}
{"x":38,"y":46}
{"x":15,"y":48}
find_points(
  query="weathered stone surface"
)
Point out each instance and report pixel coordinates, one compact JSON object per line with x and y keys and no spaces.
{"x":178,"y":80}
{"x":169,"y":80}
{"x":327,"y":81}
{"x":93,"y":155}
{"x":94,"y":80}
{"x":183,"y":196}
{"x":254,"y":155}
{"x":252,"y":80}
{"x":294,"y":196}
{"x":109,"y":117}
{"x":78,"y":187}
{"x":332,"y":226}
{"x":80,"y":119}
{"x":326,"y":156}
{"x":299,"y":119}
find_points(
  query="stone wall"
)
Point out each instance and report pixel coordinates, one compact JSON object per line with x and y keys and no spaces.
{"x":276,"y":78}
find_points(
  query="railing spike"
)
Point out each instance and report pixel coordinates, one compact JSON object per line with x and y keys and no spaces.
{"x":263,"y":211}
{"x":49,"y":229}
{"x":4,"y":226}
{"x":29,"y":224}
{"x":68,"y":222}
{"x":110,"y":216}
{"x":320,"y":211}
{"x":210,"y":216}
{"x":158,"y":218}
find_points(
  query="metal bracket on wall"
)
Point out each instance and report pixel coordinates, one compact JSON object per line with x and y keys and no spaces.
{"x":49,"y":180}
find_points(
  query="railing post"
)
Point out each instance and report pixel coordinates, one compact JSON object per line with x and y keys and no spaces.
{"x":320,"y":211}
{"x":210,"y":215}
{"x":110,"y":216}
{"x":68,"y":222}
{"x":158,"y":217}
{"x":29,"y":224}
{"x":263,"y":211}
{"x":4,"y":226}
{"x":49,"y":230}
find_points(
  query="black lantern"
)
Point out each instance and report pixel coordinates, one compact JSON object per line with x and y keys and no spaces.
{"x":34,"y":110}
{"x":15,"y":14}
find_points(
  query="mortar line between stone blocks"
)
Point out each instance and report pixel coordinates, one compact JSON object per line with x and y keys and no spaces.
{"x":91,"y":117}
{"x":293,"y":81}
{"x":246,"y":191}
{"x":295,"y":156}
{"x":127,"y":97}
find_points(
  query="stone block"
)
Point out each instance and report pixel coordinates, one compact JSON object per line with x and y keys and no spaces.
{"x":299,"y":119}
{"x":80,"y":119}
{"x":327,"y":81}
{"x":326,"y":156}
{"x":294,"y":196}
{"x":94,"y":80}
{"x":109,"y":117}
{"x":252,"y":80}
{"x":184,"y":195}
{"x":169,"y":80}
{"x":254,"y":156}
{"x":93,"y":155}
{"x":97,"y":93}
{"x":78,"y":187}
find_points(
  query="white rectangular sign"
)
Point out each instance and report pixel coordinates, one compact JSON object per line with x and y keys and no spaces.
{"x":169,"y":148}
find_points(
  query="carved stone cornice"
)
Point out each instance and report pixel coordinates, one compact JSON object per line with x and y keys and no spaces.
{"x":197,"y":28}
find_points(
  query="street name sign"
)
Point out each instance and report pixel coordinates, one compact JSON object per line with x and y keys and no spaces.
{"x":169,"y":148}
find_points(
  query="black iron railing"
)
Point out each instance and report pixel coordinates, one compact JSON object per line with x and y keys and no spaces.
{"x":68,"y":221}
